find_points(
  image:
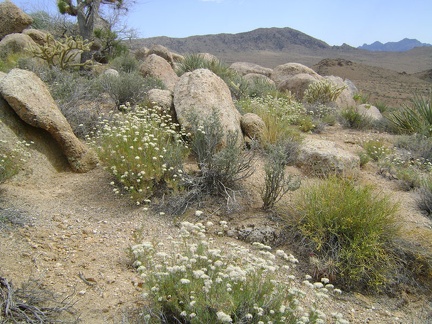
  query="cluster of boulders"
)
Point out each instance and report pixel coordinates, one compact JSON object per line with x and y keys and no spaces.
{"x":197,"y":93}
{"x":201,"y":91}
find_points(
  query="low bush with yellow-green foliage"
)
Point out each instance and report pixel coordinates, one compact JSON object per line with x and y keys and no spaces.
{"x":278,"y":113}
{"x":348,"y":230}
{"x":323,"y":91}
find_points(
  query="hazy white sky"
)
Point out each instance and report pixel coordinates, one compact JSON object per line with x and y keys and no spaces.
{"x":354,"y":22}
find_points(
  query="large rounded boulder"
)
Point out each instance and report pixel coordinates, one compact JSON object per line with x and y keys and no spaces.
{"x":13,"y":19}
{"x":200,"y":93}
{"x":157,"y":67}
{"x":29,"y":97}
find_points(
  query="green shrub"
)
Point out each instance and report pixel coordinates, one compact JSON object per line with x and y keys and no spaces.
{"x":306,"y":124}
{"x":111,"y":46}
{"x":351,"y":118}
{"x":190,"y":280}
{"x":418,"y":146}
{"x":276,"y":182}
{"x":143,"y":150}
{"x":9,"y":165}
{"x":382,"y":107}
{"x":414,"y":118}
{"x":323,"y":92}
{"x":260,"y":88}
{"x":11,"y":160}
{"x":348,"y":229}
{"x":408,"y":176}
{"x":125,"y":63}
{"x":376,"y":149}
{"x":326,"y":113}
{"x":424,"y":196}
{"x":361,"y":98}
{"x":278,"y":114}
{"x":364,"y":158}
{"x":193,"y":62}
{"x":221,"y":166}
{"x":10,"y":61}
{"x":127,"y":87}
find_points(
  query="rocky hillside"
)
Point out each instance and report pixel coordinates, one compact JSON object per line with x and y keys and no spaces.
{"x":270,"y":39}
{"x":379,"y":84}
{"x":270,"y":47}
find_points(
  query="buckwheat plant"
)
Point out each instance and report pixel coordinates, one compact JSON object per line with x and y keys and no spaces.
{"x":376,"y":149}
{"x":143,"y":149}
{"x":192,"y":279}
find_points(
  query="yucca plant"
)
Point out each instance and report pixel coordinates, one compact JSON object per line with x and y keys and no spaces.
{"x":414,"y":118}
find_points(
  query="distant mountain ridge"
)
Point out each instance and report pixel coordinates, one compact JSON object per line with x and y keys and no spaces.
{"x":269,"y":39}
{"x":404,"y":45}
{"x":270,"y":47}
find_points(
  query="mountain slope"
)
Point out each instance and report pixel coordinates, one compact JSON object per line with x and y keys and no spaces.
{"x":271,"y":39}
{"x":270,"y":47}
{"x":405,"y":44}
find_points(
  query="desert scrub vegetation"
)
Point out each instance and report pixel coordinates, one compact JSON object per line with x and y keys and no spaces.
{"x":260,"y":88}
{"x":348,"y":241}
{"x":376,"y":149}
{"x":414,"y":118}
{"x":221,"y":159}
{"x":125,"y":63}
{"x":351,"y":118}
{"x":278,"y":114}
{"x":11,"y":61}
{"x":12,"y":159}
{"x":276,"y":182}
{"x":323,"y":91}
{"x":9,"y":165}
{"x":191,"y":279}
{"x":143,"y":149}
{"x":31,"y":303}
{"x":127,"y":87}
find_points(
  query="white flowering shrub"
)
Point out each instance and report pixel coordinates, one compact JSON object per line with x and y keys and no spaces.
{"x":278,"y":113}
{"x":376,"y":149}
{"x":143,"y":149}
{"x":191,"y":279}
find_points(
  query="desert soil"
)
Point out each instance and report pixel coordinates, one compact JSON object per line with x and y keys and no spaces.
{"x":72,"y":236}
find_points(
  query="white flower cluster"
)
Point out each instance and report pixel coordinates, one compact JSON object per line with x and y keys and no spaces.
{"x":141,"y":148}
{"x":199,"y":277}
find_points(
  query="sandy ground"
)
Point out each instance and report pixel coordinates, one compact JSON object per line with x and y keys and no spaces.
{"x":76,"y":234}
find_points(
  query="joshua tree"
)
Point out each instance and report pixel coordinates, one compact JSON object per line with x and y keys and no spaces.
{"x":87,"y":13}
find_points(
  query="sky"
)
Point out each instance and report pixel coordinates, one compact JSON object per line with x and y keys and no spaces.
{"x":354,"y":22}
